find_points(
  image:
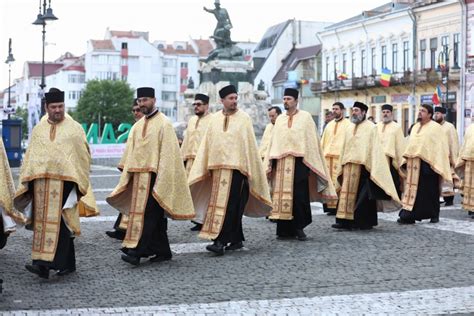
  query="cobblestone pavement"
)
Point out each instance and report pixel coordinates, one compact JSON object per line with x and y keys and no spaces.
{"x":419,"y":269}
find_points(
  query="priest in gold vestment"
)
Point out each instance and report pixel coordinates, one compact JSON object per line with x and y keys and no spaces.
{"x":197,"y":126}
{"x":297,"y":170}
{"x":447,"y":189}
{"x":54,"y":188}
{"x":465,"y":169}
{"x":152,"y":185}
{"x":227,"y":178}
{"x":120,"y":225}
{"x":7,"y":192}
{"x":365,"y":174}
{"x":426,"y":161}
{"x":331,"y":143}
{"x":393,"y":144}
{"x":273,"y":114}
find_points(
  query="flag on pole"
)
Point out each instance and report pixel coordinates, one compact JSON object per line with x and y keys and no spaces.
{"x":385,"y":77}
{"x":436,"y":96}
{"x":342,"y":76}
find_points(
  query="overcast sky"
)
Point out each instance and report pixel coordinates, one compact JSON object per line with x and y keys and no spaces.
{"x":81,"y":20}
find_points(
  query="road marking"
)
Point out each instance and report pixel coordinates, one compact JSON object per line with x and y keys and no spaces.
{"x":103,"y":190}
{"x":417,"y":302}
{"x":104,"y":175}
{"x":98,"y":167}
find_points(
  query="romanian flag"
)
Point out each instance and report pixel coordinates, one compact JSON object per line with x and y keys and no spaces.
{"x":385,"y":77}
{"x":342,"y":76}
{"x":436,"y":98}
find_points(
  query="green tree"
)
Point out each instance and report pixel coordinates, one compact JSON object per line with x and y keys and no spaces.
{"x":22,"y":114}
{"x":110,"y":100}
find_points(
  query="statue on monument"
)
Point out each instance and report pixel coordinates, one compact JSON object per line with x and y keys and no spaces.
{"x":226,"y":48}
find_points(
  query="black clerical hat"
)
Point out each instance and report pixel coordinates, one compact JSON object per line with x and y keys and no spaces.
{"x":54,"y":96}
{"x":360,"y":105}
{"x":387,"y":107}
{"x":145,"y":92}
{"x":440,"y":109}
{"x":202,"y":97}
{"x":289,"y":92}
{"x":227,"y":90}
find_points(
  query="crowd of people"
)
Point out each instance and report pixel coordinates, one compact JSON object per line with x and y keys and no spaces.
{"x":356,"y":169}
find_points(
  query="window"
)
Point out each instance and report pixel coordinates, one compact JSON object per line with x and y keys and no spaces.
{"x":353,"y":62}
{"x":184,"y":65}
{"x":169,"y":79}
{"x":124,"y":45}
{"x":344,"y":63}
{"x":433,"y":48}
{"x":168,"y":96}
{"x":394,"y":58}
{"x":405,"y":55}
{"x":76,"y":78}
{"x":167,"y":62}
{"x":373,"y":61}
{"x":74,"y":95}
{"x":444,"y":41}
{"x":327,"y":68}
{"x":362,"y":62}
{"x":456,"y":50}
{"x":384,"y":56}
{"x":184,"y":81}
{"x":336,"y":66}
{"x":423,"y":54}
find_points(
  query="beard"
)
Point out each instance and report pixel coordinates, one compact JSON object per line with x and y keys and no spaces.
{"x":386,"y":120}
{"x":418,"y":119}
{"x":356,"y":119}
{"x":439,"y":119}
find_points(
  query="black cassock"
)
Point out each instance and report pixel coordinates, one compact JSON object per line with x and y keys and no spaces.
{"x":301,"y":204}
{"x":231,"y":231}
{"x":365,"y":210}
{"x":427,"y":197}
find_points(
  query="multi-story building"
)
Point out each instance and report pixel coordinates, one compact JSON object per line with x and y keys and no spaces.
{"x":469,"y":65}
{"x":275,"y":44}
{"x":412,"y":40}
{"x":300,"y":68}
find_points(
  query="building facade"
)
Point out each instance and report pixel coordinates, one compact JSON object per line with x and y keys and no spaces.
{"x":469,"y":65}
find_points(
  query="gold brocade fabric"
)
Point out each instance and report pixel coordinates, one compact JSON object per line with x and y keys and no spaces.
{"x":235,"y":148}
{"x":447,"y":188}
{"x":193,"y":136}
{"x":332,"y":142}
{"x":349,"y":190}
{"x":215,"y":215}
{"x":429,"y":143}
{"x":283,"y":189}
{"x":362,"y":146}
{"x":7,"y":188}
{"x":65,"y":157}
{"x":189,"y":165}
{"x":136,"y":217}
{"x":301,"y":140}
{"x":152,"y":146}
{"x":411,"y":184}
{"x":47,"y":201}
{"x":393,"y":142}
{"x":123,"y":222}
{"x":465,"y":168}
{"x":265,"y":141}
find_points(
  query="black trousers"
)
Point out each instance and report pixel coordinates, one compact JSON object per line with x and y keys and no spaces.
{"x":301,"y":205}
{"x":365,"y":212}
{"x":65,"y":257}
{"x":154,"y":239}
{"x":232,"y":231}
{"x":117,"y":224}
{"x":3,"y":236}
{"x":427,"y":198}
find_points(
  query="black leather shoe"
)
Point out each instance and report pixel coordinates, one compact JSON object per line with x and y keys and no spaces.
{"x":42,"y":272}
{"x":434,"y":220}
{"x":132,"y":260}
{"x":331,"y":213}
{"x":116,"y":234}
{"x":160,"y":258}
{"x":196,"y":227}
{"x":65,"y":272}
{"x":405,"y":222}
{"x":235,"y":246}
{"x":341,"y":226}
{"x":300,"y":235}
{"x":217,"y":247}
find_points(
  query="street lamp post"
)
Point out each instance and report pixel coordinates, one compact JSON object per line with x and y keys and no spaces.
{"x":9,"y":61}
{"x":43,"y":16}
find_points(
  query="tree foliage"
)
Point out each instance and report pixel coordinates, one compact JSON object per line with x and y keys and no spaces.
{"x":111,"y":100}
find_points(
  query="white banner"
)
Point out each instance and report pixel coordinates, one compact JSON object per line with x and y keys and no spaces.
{"x":107,"y":150}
